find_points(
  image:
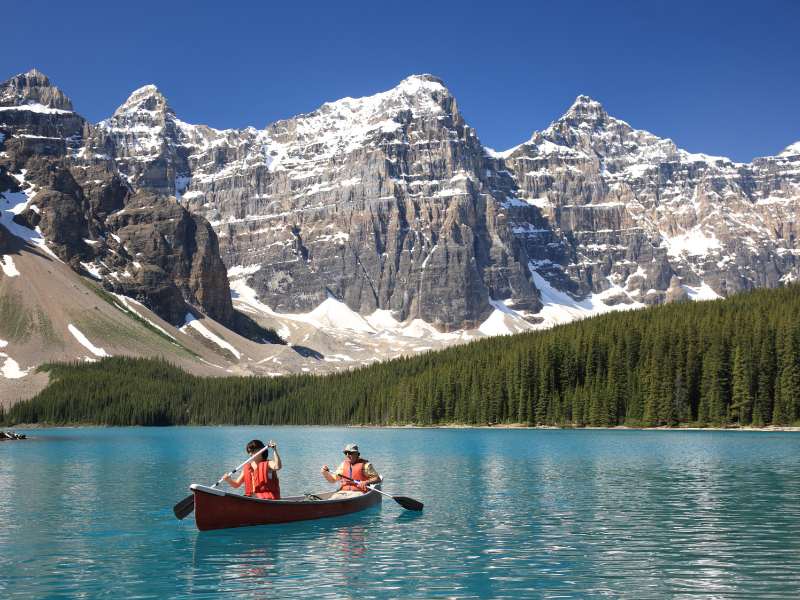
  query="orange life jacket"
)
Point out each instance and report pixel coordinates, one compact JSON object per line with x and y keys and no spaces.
{"x":261,"y":482}
{"x":354,"y":470}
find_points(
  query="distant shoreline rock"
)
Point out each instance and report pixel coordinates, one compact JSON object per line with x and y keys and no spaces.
{"x":10,"y":435}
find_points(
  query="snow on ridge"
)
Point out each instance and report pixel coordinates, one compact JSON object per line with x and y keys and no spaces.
{"x":194,"y":323}
{"x":84,"y":341}
{"x":791,"y":150}
{"x":492,"y":153}
{"x":37,"y":108}
{"x":93,"y":270}
{"x":127,"y":302}
{"x":701,"y":157}
{"x":13,"y":203}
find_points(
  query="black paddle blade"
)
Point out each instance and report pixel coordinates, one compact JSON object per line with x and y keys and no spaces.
{"x":408,"y":503}
{"x":184,"y":508}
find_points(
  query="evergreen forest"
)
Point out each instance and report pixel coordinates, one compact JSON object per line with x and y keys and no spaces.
{"x":733,"y":362}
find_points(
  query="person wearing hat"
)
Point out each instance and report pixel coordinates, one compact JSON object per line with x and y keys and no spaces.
{"x":355,"y":473}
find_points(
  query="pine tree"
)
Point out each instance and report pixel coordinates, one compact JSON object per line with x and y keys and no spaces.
{"x":741,"y":397}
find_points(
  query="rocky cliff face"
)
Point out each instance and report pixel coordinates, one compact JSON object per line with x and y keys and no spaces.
{"x":620,"y":208}
{"x":142,"y":244}
{"x":385,"y":202}
{"x":391,"y":202}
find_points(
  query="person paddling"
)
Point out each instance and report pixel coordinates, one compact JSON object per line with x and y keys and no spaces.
{"x":355,"y":474}
{"x":260,"y":475}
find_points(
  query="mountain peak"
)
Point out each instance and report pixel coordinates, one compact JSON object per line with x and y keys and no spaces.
{"x":33,"y":87}
{"x":146,"y":98}
{"x":791,"y":150}
{"x":423,"y":79}
{"x":586,"y":109}
{"x":425,"y":83}
{"x":425,"y":93}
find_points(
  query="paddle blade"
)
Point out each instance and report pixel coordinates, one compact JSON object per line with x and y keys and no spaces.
{"x":184,"y":508}
{"x":408,"y":503}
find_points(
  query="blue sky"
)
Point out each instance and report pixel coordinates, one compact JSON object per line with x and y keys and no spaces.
{"x":717,"y":77}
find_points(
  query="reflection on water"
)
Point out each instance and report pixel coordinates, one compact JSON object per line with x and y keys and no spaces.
{"x":507,"y":514}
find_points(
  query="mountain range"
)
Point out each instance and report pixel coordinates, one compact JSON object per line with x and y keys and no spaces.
{"x":369,"y":228}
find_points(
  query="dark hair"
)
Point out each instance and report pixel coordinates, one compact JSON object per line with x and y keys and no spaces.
{"x":254,"y":446}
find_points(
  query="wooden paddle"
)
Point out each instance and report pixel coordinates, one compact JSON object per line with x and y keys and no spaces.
{"x":405,"y":502}
{"x":184,"y":508}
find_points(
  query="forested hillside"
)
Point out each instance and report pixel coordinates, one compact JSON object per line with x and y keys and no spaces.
{"x":734,"y":361}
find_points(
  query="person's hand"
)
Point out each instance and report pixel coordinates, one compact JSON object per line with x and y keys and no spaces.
{"x":272,"y":444}
{"x":361,"y":485}
{"x":325,"y":469}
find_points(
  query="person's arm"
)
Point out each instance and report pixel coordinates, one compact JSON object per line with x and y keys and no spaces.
{"x":275,"y":463}
{"x":235,"y":482}
{"x":326,"y":473}
{"x":372,"y":475}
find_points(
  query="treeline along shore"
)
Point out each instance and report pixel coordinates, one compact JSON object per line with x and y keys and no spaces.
{"x":721,"y":363}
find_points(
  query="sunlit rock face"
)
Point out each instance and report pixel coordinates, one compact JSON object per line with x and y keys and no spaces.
{"x":390,"y":202}
{"x":383,"y":202}
{"x":82,"y":203}
{"x":622,"y":207}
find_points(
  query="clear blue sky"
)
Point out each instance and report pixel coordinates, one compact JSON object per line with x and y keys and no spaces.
{"x":721,"y":77}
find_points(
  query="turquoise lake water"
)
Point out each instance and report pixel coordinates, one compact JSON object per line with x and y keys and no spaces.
{"x":508,"y":513}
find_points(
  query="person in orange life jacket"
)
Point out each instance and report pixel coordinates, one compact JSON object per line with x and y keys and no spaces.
{"x":356,"y":468}
{"x":260,"y":476}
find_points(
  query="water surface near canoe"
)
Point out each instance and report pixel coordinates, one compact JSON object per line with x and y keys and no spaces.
{"x":508,"y":513}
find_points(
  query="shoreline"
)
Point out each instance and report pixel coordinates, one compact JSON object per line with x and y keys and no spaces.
{"x":508,"y":426}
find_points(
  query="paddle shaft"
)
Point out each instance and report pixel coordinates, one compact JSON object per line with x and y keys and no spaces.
{"x":407,"y":503}
{"x":252,"y":456}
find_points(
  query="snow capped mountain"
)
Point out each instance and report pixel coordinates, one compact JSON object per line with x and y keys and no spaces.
{"x":354,"y":199}
{"x":32,"y":91}
{"x":624,"y":207}
{"x":384,"y":220}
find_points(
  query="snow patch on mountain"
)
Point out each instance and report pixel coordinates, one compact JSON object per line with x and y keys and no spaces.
{"x":791,"y":150}
{"x":194,"y":323}
{"x":503,"y":321}
{"x":11,"y":368}
{"x":36,"y":108}
{"x":560,"y":308}
{"x":12,"y":204}
{"x":701,"y":292}
{"x":84,"y":341}
{"x":691,"y":243}
{"x":8,"y":266}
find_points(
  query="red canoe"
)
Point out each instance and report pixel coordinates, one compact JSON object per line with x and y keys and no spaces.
{"x":216,"y":509}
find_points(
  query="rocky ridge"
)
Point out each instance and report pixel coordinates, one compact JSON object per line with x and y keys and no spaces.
{"x":622,"y":209}
{"x":137,"y":242}
{"x":391,"y":203}
{"x":383,"y":202}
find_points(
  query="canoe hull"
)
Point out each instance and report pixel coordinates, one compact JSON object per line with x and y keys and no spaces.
{"x":215,"y":509}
